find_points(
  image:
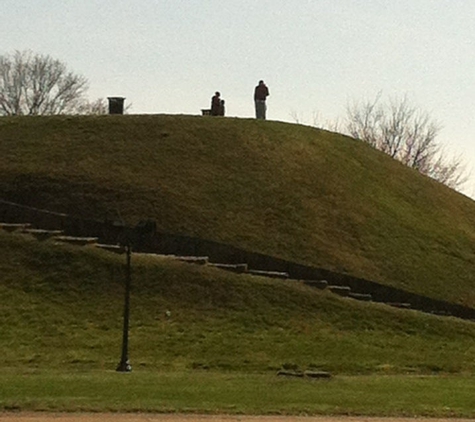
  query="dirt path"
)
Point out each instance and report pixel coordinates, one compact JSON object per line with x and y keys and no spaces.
{"x":108,"y":417}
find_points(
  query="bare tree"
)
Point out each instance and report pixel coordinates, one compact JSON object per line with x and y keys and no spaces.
{"x":98,"y":106}
{"x":32,"y":84}
{"x":407,"y":134}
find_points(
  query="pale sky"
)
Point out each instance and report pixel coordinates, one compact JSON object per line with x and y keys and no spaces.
{"x":170,"y":56}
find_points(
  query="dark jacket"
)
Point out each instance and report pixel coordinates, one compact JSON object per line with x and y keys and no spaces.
{"x":261,"y":92}
{"x":215,"y":105}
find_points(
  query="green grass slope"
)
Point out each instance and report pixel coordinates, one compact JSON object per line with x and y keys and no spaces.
{"x":61,"y":310}
{"x":286,"y":190}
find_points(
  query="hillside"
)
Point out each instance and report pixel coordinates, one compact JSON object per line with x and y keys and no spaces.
{"x":62,"y":311}
{"x":285,"y":190}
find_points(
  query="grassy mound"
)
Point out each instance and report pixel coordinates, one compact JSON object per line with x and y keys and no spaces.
{"x":286,"y":190}
{"x":62,"y":310}
{"x":290,"y":191}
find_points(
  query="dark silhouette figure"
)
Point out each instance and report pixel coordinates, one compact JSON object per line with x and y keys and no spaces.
{"x":216,"y":104}
{"x":221,"y":108}
{"x":261,"y":92}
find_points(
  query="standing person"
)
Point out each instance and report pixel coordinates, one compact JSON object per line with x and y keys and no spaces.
{"x":260,"y":95}
{"x":216,"y":104}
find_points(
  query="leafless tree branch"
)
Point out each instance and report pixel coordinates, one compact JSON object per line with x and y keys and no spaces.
{"x":408,"y":135}
{"x":32,"y":84}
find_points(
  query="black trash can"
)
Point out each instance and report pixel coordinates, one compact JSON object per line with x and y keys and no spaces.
{"x":116,"y":105}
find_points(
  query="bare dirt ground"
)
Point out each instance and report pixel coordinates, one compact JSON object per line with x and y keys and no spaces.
{"x":118,"y":417}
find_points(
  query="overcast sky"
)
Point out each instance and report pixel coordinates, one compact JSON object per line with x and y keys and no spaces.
{"x":169,"y":56}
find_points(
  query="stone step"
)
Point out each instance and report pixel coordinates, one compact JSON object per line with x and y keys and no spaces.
{"x":272,"y":274}
{"x":340,"y":290}
{"x":81,"y":241}
{"x":319,"y":284}
{"x":153,"y":255}
{"x":236,"y":268}
{"x":317,"y":374}
{"x":399,"y":305}
{"x":200,"y":260}
{"x":300,"y":374}
{"x":42,"y":234}
{"x":11,"y":227}
{"x":361,"y":296}
{"x":111,"y":248}
{"x":289,"y":373}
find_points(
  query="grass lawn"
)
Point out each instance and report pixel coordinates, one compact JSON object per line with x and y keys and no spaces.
{"x":217,"y":392}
